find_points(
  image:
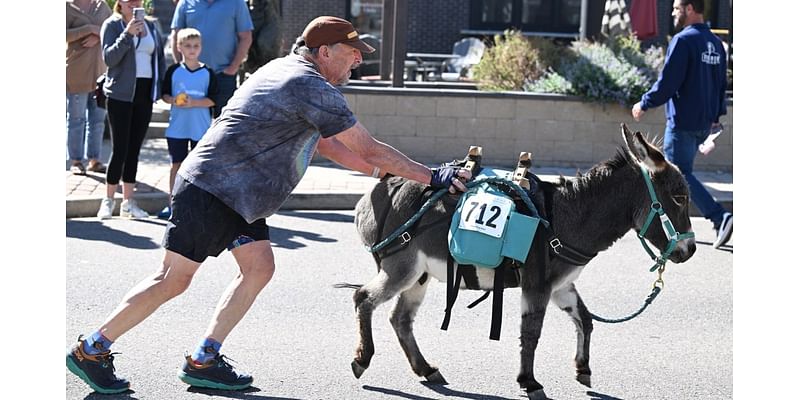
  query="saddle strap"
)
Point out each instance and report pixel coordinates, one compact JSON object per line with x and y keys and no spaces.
{"x":497,"y":301}
{"x":453,"y":284}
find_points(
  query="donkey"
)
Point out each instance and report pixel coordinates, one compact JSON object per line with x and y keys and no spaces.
{"x":587,"y":214}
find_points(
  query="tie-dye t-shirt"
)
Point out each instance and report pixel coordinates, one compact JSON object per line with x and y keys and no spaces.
{"x":255,"y":153}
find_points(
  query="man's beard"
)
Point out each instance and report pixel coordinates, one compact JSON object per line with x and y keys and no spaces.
{"x":679,"y":22}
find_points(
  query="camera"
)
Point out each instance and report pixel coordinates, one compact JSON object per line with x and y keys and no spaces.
{"x":138,"y":14}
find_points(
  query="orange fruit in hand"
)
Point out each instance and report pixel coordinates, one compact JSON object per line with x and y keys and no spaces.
{"x":181,"y":99}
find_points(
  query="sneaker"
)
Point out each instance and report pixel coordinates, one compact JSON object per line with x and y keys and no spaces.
{"x":77,"y":169}
{"x":106,"y":209}
{"x":725,"y":230}
{"x":165,"y":213}
{"x":96,"y":370}
{"x":215,"y":373}
{"x":130,"y":209}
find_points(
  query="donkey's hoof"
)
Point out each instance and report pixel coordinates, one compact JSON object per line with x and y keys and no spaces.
{"x":436,"y":377}
{"x":537,"y":394}
{"x":584,"y":379}
{"x":358,"y":370}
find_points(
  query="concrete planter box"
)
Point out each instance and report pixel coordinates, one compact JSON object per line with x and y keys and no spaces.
{"x":437,"y":125}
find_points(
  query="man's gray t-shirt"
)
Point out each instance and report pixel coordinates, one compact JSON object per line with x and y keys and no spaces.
{"x":255,"y":153}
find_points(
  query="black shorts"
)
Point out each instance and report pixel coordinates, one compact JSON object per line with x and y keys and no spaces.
{"x":202,"y":225}
{"x":179,"y":148}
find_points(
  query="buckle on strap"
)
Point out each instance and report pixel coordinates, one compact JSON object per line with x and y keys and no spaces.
{"x":555,"y":244}
{"x":405,"y":237}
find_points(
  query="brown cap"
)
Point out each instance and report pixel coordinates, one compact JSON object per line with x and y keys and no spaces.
{"x":328,"y":30}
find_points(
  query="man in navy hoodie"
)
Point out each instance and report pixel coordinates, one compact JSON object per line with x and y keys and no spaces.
{"x":692,"y":84}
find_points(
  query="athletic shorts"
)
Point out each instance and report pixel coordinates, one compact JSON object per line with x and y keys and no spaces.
{"x":202,"y":225}
{"x":179,"y":148}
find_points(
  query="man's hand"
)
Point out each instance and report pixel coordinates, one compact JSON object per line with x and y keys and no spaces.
{"x":637,"y":111}
{"x":231,"y":70}
{"x":451,"y":177}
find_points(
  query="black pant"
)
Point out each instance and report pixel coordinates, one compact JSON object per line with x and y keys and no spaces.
{"x":128,"y":122}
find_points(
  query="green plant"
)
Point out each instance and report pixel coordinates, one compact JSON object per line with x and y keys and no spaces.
{"x":615,"y":72}
{"x":509,"y":64}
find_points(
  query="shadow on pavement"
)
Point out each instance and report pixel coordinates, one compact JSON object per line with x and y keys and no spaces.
{"x":286,"y":238}
{"x":99,"y":396}
{"x":450,"y":393}
{"x":325,"y":216}
{"x":393,"y":392}
{"x":96,"y":230}
{"x":599,"y":396}
{"x":249,"y":393}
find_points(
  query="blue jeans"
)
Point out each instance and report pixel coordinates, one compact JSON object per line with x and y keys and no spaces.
{"x":84,"y":121}
{"x":680,"y":148}
{"x":226,"y":85}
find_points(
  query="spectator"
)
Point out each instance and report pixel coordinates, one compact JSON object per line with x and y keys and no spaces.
{"x":227,"y":34}
{"x":132,"y":50}
{"x":188,"y":86}
{"x":85,"y":121}
{"x":693,"y":84}
{"x":242,"y":170}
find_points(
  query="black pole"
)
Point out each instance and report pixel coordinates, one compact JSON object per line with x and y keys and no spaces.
{"x":386,"y":39}
{"x":399,"y":40}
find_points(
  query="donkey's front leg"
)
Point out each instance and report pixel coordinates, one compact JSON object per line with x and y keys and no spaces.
{"x":533,"y":307}
{"x":402,"y":320}
{"x":570,"y":301}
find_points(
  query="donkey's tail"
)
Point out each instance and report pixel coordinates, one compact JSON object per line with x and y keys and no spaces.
{"x":345,"y":285}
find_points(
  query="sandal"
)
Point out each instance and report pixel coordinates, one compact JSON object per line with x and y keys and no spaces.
{"x":78,"y":169}
{"x":96,"y":166}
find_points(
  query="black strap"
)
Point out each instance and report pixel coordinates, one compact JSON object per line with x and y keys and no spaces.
{"x":453,"y":285}
{"x":497,"y":301}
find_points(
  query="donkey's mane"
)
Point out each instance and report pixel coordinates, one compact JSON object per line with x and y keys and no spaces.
{"x":588,"y":182}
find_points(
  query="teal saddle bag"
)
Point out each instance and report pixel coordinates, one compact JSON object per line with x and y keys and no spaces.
{"x":486,"y":226}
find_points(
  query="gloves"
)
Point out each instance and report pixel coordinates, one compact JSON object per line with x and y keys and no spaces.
{"x":441,"y":178}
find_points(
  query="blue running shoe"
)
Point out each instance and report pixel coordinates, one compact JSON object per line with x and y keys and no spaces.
{"x":165,"y":213}
{"x":215,"y":373}
{"x":96,"y":370}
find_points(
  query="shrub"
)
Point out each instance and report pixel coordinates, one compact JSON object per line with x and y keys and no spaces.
{"x":509,"y":64}
{"x":618,"y":72}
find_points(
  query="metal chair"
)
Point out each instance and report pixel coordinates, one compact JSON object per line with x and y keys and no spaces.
{"x":470,"y":51}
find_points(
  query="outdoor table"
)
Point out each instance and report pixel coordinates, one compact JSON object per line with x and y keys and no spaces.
{"x":424,"y":63}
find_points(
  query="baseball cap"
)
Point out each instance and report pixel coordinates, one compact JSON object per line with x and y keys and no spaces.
{"x":327,"y":30}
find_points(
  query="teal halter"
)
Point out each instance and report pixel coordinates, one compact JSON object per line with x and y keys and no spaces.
{"x":669,"y":230}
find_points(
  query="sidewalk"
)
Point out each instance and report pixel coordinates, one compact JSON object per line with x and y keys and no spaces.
{"x":325,"y":185}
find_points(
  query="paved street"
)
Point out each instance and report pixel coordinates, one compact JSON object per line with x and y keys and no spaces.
{"x":299,"y":337}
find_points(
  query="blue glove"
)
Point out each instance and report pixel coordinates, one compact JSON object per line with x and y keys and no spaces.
{"x":441,"y":178}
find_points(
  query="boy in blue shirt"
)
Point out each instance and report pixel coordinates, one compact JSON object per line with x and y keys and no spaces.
{"x":189,"y":86}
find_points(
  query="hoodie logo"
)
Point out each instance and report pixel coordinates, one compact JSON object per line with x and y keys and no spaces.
{"x":710,"y":56}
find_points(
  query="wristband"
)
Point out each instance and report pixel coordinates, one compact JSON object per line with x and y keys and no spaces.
{"x":376,"y":172}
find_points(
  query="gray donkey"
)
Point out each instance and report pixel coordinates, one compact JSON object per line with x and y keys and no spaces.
{"x":587,"y":215}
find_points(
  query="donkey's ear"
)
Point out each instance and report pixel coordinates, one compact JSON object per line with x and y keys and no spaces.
{"x":642,"y":151}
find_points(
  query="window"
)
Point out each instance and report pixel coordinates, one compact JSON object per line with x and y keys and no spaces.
{"x":366,"y":16}
{"x":562,"y":16}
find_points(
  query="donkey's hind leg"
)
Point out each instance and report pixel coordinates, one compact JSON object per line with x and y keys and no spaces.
{"x":380,"y":289}
{"x":570,"y":301}
{"x":402,"y":320}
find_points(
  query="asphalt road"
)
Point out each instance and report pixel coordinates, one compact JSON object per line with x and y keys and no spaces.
{"x":298,"y":339}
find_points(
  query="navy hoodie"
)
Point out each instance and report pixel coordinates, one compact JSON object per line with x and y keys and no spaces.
{"x":693,"y":80}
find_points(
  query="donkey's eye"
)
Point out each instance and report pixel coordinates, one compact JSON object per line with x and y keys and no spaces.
{"x":680,"y":199}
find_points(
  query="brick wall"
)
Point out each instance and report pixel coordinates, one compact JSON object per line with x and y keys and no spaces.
{"x":296,"y":14}
{"x":435,"y":126}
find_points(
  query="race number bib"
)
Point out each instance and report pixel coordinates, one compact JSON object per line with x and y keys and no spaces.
{"x":485,"y":213}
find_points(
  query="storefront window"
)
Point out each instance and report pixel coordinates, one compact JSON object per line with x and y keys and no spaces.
{"x":366,"y":16}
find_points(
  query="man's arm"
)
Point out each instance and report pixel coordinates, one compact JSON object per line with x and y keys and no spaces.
{"x":373,"y":152}
{"x":242,"y":47}
{"x":176,"y":55}
{"x":332,"y":149}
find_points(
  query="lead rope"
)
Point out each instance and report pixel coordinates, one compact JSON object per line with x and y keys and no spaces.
{"x":661,"y":261}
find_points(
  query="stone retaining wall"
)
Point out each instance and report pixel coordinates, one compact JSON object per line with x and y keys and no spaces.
{"x":437,"y":125}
